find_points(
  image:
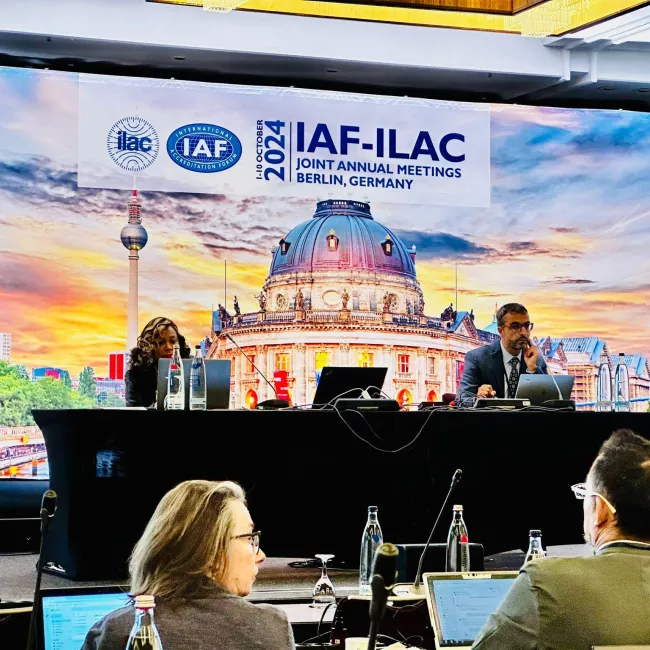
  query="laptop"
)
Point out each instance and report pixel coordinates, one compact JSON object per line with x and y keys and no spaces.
{"x":217,"y":381}
{"x":460,"y":603}
{"x":348,"y":382}
{"x":542,"y":388}
{"x":68,"y":614}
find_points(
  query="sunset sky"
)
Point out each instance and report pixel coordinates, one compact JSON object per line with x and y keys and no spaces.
{"x":567,"y":234}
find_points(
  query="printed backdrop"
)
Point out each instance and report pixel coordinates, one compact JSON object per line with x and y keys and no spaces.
{"x":554,"y":213}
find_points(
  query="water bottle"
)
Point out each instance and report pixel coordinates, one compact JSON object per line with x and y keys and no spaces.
{"x":176,"y":382}
{"x":197,"y":382}
{"x":622,"y":384}
{"x":535,"y":549}
{"x":144,"y":634}
{"x":371,"y":539}
{"x":604,"y":387}
{"x":458,"y":543}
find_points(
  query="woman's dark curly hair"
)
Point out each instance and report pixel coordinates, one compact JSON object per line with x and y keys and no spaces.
{"x":143,"y":354}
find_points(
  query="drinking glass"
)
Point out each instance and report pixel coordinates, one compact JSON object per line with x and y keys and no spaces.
{"x":324,"y":589}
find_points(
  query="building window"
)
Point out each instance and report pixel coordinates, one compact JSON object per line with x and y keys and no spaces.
{"x":332,"y":241}
{"x":431,"y":365}
{"x":387,"y":245}
{"x":323,"y":358}
{"x":282,"y":361}
{"x":284,"y":246}
{"x":366,"y":359}
{"x":250,"y":368}
{"x":403,"y":363}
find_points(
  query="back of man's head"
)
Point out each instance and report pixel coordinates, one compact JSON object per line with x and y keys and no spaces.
{"x":621,"y":472}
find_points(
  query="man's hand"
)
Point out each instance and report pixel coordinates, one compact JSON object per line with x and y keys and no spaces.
{"x":531,"y":354}
{"x":486,"y":391}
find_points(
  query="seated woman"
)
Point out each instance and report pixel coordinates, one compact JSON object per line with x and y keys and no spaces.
{"x":156,"y":341}
{"x":198,"y":556}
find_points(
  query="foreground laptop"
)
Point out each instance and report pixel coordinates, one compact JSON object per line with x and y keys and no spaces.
{"x":461,"y":603}
{"x":68,"y":614}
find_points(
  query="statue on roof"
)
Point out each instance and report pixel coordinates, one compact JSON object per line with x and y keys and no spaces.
{"x":471,"y":315}
{"x":449,"y":313}
{"x":419,"y":306}
{"x":300,"y":301}
{"x":261,"y":298}
{"x":236,"y":307}
{"x":345,"y":297}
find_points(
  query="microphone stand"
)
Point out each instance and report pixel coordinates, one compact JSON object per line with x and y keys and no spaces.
{"x":267,"y":403}
{"x":48,"y":509}
{"x":416,"y":587}
{"x":380,"y":598}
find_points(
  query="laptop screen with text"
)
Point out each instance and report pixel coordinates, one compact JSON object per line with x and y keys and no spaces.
{"x":463,"y":605}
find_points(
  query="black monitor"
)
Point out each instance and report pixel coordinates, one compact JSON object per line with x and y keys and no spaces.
{"x":217,"y":382}
{"x":348,"y":382}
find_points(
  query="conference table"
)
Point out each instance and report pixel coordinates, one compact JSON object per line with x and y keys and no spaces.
{"x":310,"y":475}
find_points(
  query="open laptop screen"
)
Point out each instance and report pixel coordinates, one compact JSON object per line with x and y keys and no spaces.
{"x":461,"y":606}
{"x":68,"y":618}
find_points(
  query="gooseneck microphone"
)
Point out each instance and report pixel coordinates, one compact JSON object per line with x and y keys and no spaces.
{"x":416,"y":587}
{"x":48,"y":510}
{"x":384,"y":572}
{"x":267,"y":403}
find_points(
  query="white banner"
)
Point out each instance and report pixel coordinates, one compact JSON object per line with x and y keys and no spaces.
{"x":190,"y":137}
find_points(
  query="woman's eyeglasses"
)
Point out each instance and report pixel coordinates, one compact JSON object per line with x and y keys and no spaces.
{"x":253,"y":539}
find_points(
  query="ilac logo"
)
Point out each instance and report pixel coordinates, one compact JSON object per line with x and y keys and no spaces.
{"x":204,"y":148}
{"x":133,"y":144}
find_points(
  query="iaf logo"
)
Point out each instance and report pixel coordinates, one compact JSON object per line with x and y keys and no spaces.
{"x":204,"y":148}
{"x":133,"y":144}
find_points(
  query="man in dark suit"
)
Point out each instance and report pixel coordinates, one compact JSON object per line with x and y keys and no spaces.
{"x":493,"y":370}
{"x":575,"y":603}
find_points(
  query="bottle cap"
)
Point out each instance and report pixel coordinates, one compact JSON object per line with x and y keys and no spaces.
{"x":535,"y":533}
{"x":145,"y":602}
{"x":372,"y":508}
{"x":458,"y":508}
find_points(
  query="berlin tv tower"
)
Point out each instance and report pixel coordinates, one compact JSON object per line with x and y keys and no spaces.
{"x":134,"y":238}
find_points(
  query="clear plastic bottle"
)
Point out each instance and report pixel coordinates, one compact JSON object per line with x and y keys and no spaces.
{"x":458,"y":543}
{"x":371,"y":539}
{"x":622,"y":385}
{"x":604,"y":386}
{"x":144,"y":634}
{"x":176,"y":382}
{"x":535,"y":549}
{"x":198,"y":400}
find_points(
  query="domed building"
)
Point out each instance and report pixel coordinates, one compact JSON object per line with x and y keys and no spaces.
{"x":342,"y":290}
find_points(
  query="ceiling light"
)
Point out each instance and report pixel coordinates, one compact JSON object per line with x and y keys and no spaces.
{"x":331,"y":70}
{"x":178,"y":58}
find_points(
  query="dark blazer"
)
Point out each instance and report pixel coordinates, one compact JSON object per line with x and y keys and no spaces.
{"x":574,"y":603}
{"x":485,"y":366}
{"x":141,"y":383}
{"x":208,"y":619}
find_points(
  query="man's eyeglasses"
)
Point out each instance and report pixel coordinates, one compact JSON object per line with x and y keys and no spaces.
{"x":517,"y":327}
{"x":581,"y":492}
{"x":253,"y":539}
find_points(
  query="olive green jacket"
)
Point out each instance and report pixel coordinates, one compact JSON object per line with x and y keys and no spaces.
{"x":575,"y":603}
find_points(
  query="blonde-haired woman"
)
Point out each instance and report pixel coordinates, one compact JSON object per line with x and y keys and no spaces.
{"x":198,"y":557}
